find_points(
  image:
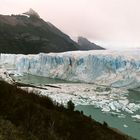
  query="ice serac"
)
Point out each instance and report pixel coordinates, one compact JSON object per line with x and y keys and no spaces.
{"x":106,"y":67}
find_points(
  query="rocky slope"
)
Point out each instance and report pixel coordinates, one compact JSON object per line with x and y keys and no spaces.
{"x":29,"y":34}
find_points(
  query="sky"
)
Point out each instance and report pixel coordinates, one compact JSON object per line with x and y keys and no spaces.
{"x":109,"y":23}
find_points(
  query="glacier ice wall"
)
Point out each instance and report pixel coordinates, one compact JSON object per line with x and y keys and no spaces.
{"x":102,"y":67}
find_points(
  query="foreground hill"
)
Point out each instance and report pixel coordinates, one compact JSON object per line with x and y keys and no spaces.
{"x":26,"y":116}
{"x":85,"y":44}
{"x":29,"y":34}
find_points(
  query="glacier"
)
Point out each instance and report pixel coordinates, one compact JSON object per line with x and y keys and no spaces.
{"x":104,"y":67}
{"x":102,"y":77}
{"x":102,"y":80}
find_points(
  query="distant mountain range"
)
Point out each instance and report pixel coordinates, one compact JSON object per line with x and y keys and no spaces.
{"x":85,"y":44}
{"x":29,"y":34}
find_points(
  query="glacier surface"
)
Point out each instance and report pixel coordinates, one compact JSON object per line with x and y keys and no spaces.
{"x":111,"y":68}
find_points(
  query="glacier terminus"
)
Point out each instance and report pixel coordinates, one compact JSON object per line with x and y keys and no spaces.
{"x":111,"y":68}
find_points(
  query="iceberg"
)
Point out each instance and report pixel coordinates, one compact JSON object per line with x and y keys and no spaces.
{"x":104,"y":67}
{"x":136,"y":116}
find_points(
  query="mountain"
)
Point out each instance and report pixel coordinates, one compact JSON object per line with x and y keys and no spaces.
{"x":87,"y":45}
{"x":29,"y":34}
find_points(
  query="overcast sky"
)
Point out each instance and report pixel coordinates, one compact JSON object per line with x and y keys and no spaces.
{"x":111,"y":23}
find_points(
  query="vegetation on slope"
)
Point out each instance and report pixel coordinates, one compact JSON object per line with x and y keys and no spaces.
{"x":26,"y":116}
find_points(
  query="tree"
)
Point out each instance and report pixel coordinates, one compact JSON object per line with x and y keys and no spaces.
{"x":105,"y":124}
{"x":70,"y":105}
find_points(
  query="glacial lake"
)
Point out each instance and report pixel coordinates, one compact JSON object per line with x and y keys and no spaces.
{"x":37,"y":80}
{"x":126,"y":124}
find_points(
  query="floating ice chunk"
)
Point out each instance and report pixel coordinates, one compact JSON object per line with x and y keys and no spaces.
{"x":134,"y":107}
{"x":128,"y":110}
{"x":115,"y":106}
{"x":121,"y":116}
{"x":124,"y":102}
{"x":136,"y":116}
{"x":112,"y":106}
{"x":105,"y":109}
{"x":125,"y":125}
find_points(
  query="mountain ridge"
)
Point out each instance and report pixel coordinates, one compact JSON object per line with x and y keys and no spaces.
{"x":29,"y":34}
{"x":85,"y":44}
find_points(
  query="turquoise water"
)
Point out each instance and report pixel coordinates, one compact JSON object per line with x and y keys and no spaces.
{"x":127,"y":125}
{"x":132,"y":128}
{"x":37,"y":80}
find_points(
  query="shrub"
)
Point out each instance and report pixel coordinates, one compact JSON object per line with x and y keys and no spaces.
{"x":70,"y":105}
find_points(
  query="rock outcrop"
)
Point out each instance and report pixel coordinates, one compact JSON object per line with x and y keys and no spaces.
{"x":87,"y":45}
